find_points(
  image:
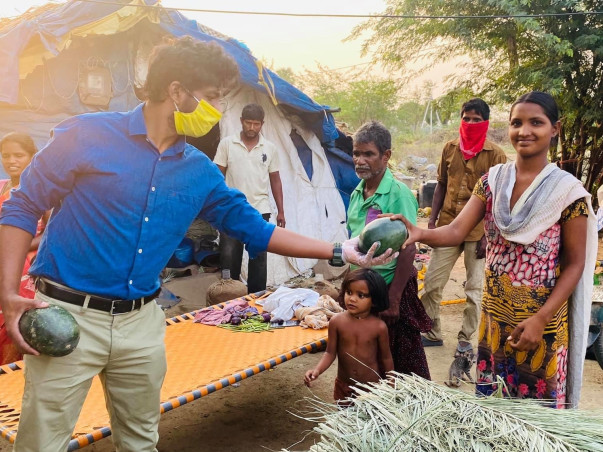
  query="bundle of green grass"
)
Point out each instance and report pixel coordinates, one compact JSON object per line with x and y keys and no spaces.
{"x":413,"y":414}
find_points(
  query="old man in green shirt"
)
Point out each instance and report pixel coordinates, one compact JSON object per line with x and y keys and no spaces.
{"x":379,"y":192}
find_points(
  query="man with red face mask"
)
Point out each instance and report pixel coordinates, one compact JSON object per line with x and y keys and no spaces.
{"x":464,"y":160}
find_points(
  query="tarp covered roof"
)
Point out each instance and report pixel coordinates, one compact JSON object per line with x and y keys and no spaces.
{"x":28,"y":40}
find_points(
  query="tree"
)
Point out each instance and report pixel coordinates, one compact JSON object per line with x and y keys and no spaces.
{"x":562,"y":55}
{"x":449,"y":105}
{"x":288,"y":74}
{"x":360,"y":98}
{"x":410,"y":115}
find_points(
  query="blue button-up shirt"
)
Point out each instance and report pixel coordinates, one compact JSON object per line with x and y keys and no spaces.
{"x":120,"y":207}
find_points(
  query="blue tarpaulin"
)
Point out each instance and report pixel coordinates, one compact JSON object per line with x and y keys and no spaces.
{"x":52,"y":28}
{"x":44,"y":52}
{"x":343,"y":172}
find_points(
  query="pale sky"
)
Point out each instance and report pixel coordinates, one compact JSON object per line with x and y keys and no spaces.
{"x":296,"y":42}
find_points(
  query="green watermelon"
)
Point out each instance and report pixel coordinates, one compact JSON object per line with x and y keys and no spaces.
{"x":51,"y":331}
{"x":391,"y":234}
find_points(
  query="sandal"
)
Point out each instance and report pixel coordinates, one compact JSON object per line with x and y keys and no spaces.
{"x":463,"y":349}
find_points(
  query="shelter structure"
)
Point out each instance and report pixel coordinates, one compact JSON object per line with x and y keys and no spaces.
{"x":60,"y":60}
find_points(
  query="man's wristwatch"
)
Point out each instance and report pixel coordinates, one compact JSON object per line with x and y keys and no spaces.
{"x":337,"y":259}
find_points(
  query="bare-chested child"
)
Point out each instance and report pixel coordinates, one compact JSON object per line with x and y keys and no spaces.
{"x":357,"y":337}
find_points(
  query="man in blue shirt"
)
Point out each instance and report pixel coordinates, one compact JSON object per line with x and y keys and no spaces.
{"x":124,"y":187}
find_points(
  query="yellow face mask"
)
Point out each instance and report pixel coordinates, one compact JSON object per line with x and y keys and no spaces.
{"x":198,"y":122}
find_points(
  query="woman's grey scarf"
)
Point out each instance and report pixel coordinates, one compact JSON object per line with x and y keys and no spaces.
{"x":538,"y":208}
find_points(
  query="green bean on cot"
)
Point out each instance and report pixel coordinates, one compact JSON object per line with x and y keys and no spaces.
{"x":255,"y":324}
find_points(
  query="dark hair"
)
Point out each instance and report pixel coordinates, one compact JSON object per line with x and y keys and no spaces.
{"x":376,"y":286}
{"x":477,"y":105}
{"x":193,"y":63}
{"x":22,"y":139}
{"x":546,"y":102}
{"x":253,"y":112}
{"x":376,"y":133}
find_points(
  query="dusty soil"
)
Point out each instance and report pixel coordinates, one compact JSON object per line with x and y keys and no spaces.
{"x":263,"y":413}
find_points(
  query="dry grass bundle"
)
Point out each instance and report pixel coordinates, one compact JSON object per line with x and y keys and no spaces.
{"x":416,"y":415}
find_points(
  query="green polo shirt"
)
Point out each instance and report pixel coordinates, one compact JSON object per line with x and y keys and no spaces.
{"x":392,"y":196}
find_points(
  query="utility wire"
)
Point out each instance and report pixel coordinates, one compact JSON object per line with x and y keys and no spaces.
{"x":358,"y":16}
{"x":351,"y":66}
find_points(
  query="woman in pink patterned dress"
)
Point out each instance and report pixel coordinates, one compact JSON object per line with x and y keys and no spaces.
{"x":541,"y":235}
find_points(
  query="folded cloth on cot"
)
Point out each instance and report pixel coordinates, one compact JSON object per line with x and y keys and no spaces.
{"x":284,"y":301}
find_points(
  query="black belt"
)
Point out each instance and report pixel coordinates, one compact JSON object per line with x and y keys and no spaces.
{"x":113,"y":307}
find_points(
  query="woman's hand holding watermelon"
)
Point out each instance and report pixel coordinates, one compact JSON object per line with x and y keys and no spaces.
{"x":352,"y":254}
{"x":414,"y":232}
{"x":13,"y":308}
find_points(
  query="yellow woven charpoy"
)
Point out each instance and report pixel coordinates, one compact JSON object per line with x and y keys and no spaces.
{"x":201,"y":359}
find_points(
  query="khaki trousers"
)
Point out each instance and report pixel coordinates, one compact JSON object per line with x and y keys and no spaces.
{"x":438,"y":273}
{"x":127,"y":352}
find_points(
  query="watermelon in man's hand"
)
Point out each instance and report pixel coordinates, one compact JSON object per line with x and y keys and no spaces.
{"x":52,"y":331}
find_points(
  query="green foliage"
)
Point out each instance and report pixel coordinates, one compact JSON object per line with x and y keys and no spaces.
{"x":449,"y":105}
{"x":510,"y":56}
{"x":409,"y":115}
{"x":360,"y":98}
{"x":288,"y":74}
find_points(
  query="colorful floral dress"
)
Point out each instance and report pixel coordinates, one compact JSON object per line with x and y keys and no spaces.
{"x":518,"y":281}
{"x":8,"y":351}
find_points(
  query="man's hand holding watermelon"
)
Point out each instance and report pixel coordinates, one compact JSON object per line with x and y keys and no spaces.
{"x":13,"y":308}
{"x":353,"y":255}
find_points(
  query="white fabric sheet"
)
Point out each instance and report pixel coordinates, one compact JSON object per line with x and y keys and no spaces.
{"x":284,"y":301}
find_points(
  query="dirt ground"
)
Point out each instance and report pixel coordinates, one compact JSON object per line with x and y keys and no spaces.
{"x":263,"y":412}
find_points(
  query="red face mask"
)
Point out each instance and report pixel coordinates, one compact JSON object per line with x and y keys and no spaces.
{"x":472,"y":138}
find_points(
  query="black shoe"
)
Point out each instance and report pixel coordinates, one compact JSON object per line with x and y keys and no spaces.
{"x":429,"y":343}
